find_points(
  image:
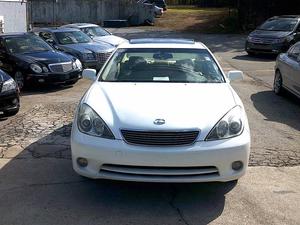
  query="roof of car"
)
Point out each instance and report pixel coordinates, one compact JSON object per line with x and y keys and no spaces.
{"x":14,"y":34}
{"x":162,"y":43}
{"x":80,"y":25}
{"x":55,"y":30}
{"x":287,"y":17}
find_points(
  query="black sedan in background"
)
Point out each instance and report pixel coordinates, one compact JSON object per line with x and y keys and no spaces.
{"x":274,"y":36}
{"x":9,"y":95}
{"x":74,"y":42}
{"x":29,"y":59}
{"x":287,"y":75}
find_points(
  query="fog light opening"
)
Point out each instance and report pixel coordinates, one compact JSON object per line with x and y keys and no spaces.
{"x":82,"y":162}
{"x":237,"y":165}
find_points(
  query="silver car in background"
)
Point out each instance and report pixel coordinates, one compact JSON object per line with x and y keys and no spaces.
{"x":287,"y":75}
{"x":97,"y":33}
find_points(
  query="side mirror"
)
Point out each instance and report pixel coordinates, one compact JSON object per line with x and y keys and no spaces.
{"x":89,"y":74}
{"x":235,"y":75}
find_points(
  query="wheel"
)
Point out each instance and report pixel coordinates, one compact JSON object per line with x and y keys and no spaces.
{"x":19,"y":78}
{"x":277,"y":86}
{"x":250,"y":53}
{"x":10,"y":113}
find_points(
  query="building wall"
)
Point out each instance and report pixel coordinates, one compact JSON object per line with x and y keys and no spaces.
{"x":14,"y":13}
{"x":57,"y":12}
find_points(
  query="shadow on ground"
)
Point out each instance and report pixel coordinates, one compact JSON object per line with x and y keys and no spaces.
{"x":256,"y":58}
{"x":39,"y":186}
{"x":277,"y":106}
{"x":44,"y":89}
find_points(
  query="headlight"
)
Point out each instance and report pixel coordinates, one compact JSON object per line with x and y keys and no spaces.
{"x":231,"y":125}
{"x":88,"y":56}
{"x":9,"y":85}
{"x":90,"y":123}
{"x":77,"y":64}
{"x":249,"y":38}
{"x":36,"y":68}
{"x":284,"y":39}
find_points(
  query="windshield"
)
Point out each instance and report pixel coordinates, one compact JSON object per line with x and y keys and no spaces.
{"x":26,"y":44}
{"x":72,"y":37}
{"x":162,"y":65}
{"x":279,"y":25}
{"x":95,"y":31}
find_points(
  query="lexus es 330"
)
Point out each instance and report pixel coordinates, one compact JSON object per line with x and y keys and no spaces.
{"x":161,"y":111}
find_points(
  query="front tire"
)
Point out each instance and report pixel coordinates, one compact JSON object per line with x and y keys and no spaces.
{"x":277,"y":86}
{"x":10,"y":113}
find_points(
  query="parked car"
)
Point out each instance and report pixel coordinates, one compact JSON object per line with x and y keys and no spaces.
{"x":29,"y":59}
{"x":274,"y":36}
{"x":97,"y":33}
{"x":75,"y":42}
{"x":160,"y":3}
{"x":287,"y":71}
{"x":9,"y":95}
{"x":158,"y":11}
{"x":161,"y":110}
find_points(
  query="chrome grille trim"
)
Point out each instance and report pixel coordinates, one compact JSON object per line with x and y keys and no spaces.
{"x":262,"y":41}
{"x":61,"y":67}
{"x":162,"y":171}
{"x":102,"y":57}
{"x":160,"y":138}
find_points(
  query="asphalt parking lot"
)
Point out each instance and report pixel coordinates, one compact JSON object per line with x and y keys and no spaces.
{"x":38,"y":185}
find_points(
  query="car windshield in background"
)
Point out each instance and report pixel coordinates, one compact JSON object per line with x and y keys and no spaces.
{"x":279,"y":25}
{"x":72,"y":37}
{"x":162,"y":65}
{"x":26,"y":44}
{"x":95,"y":31}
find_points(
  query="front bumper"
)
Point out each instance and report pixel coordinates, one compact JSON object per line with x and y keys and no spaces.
{"x":266,"y":48}
{"x":9,"y":101}
{"x":54,"y":78}
{"x":117,"y":160}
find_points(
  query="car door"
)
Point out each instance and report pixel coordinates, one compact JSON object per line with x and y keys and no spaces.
{"x":294,"y":69}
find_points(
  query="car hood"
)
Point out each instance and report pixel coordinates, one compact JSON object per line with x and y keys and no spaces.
{"x":47,"y":57}
{"x":183,"y":106}
{"x":111,"y":39}
{"x":89,"y":47}
{"x":270,"y":34}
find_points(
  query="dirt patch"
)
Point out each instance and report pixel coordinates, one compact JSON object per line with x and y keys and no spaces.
{"x":193,"y":19}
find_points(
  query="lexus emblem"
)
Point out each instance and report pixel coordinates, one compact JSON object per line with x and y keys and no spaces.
{"x":159,"y":122}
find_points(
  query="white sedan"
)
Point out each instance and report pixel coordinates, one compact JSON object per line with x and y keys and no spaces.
{"x":161,"y":110}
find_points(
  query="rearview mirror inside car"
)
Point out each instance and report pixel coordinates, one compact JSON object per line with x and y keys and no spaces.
{"x":235,"y":75}
{"x":89,"y":74}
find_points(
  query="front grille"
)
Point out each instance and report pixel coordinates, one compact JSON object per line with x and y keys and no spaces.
{"x":61,"y":67}
{"x":160,"y":138}
{"x":155,"y":172}
{"x":262,"y":41}
{"x":102,"y":57}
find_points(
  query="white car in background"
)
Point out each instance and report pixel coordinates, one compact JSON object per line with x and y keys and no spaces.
{"x":161,"y":110}
{"x":97,"y":33}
